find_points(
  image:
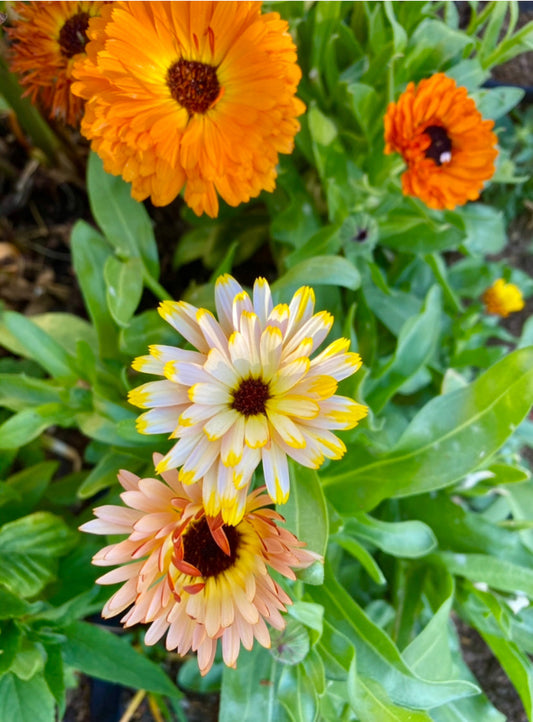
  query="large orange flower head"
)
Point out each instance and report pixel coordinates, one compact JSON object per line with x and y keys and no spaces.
{"x":48,"y":37}
{"x":198,"y":95}
{"x":448,"y":147}
{"x":189,"y":575}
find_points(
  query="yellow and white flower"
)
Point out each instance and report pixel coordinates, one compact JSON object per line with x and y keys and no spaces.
{"x":250,"y":394}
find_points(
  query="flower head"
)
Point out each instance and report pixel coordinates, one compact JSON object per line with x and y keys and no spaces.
{"x":503,"y":298}
{"x":448,"y":147}
{"x":251,"y":393}
{"x":190,"y":576}
{"x":194,"y":94}
{"x":48,"y":37}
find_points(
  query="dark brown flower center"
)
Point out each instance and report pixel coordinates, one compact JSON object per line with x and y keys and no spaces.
{"x":202,"y":551}
{"x":440,"y":149}
{"x":194,"y":85}
{"x":251,"y":397}
{"x":73,"y":35}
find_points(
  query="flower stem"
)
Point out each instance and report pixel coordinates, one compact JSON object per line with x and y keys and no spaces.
{"x":156,"y":288}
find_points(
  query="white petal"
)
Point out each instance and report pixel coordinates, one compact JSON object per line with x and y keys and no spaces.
{"x":270,"y":345}
{"x":158,"y":393}
{"x":211,"y":330}
{"x":182,"y":316}
{"x":256,"y":432}
{"x":220,"y":423}
{"x":210,"y":394}
{"x":226,"y":288}
{"x":262,"y":300}
{"x":288,"y":376}
{"x":276,"y":469}
{"x":218,"y":366}
{"x":161,"y":420}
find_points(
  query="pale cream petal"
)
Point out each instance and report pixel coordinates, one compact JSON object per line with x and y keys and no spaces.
{"x":256,"y":433}
{"x":220,"y":367}
{"x":160,"y":420}
{"x":211,"y":330}
{"x":182,"y":316}
{"x":301,"y":309}
{"x":316,"y":328}
{"x":182,"y":372}
{"x":297,"y":406}
{"x":158,"y":393}
{"x":276,"y":470}
{"x":220,"y":424}
{"x":270,"y":345}
{"x":210,"y":394}
{"x":226,"y":288}
{"x":288,"y":376}
{"x":262,"y":300}
{"x":233,"y":442}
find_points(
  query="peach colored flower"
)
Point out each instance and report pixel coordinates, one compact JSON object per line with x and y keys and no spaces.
{"x":189,"y":575}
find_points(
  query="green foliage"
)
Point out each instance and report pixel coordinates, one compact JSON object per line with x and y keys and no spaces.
{"x":430,"y":511}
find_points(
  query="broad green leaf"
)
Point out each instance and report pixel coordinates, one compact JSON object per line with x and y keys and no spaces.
{"x":90,"y":252}
{"x":495,"y":102}
{"x":410,"y":232}
{"x":362,"y":555}
{"x":377,"y":654}
{"x":416,"y":345}
{"x":449,"y":438}
{"x":29,"y":485}
{"x":25,"y":701}
{"x":252,"y":687}
{"x":28,"y":550}
{"x":99,"y":653}
{"x":29,"y":661}
{"x":11,"y":605}
{"x":18,"y":391}
{"x":54,"y":674}
{"x":66,"y":329}
{"x":407,"y":539}
{"x":124,"y":221}
{"x":312,"y":615}
{"x":297,"y":694}
{"x":26,"y":425}
{"x":497,"y":573}
{"x":516,"y":665}
{"x":124,"y":280}
{"x":429,"y":652}
{"x":306,"y":515}
{"x":319,"y":270}
{"x":10,"y":639}
{"x":36,"y":344}
{"x":371,"y":703}
{"x":485,"y":228}
{"x":104,"y":473}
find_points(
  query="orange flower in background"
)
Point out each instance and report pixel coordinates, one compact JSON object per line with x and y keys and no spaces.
{"x":190,"y":576}
{"x":503,"y":298}
{"x":47,"y":38}
{"x":448,"y":147}
{"x":197,"y":95}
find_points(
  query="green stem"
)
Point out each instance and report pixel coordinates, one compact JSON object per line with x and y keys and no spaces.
{"x":156,"y":288}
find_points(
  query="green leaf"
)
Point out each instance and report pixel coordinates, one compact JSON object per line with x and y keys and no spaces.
{"x":411,"y":232}
{"x":291,"y":644}
{"x":319,"y":270}
{"x":10,"y":638}
{"x":297,"y":694}
{"x":516,"y":665}
{"x":28,"y":549}
{"x":370,"y":702}
{"x":416,"y":345}
{"x":11,"y":605}
{"x":124,"y":280}
{"x":450,"y":437}
{"x":104,"y":474}
{"x":25,"y":701}
{"x":36,"y":344}
{"x":90,"y":252}
{"x":404,"y":539}
{"x":29,"y":485}
{"x":359,"y":552}
{"x":485,"y":228}
{"x":99,"y":653}
{"x":18,"y":391}
{"x":377,"y":654}
{"x":26,"y":425}
{"x":124,"y":221}
{"x":54,"y":675}
{"x":146,"y":329}
{"x":496,"y":102}
{"x":252,"y":687}
{"x":497,"y":573}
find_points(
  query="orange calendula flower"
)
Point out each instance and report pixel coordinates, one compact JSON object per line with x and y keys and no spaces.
{"x":192,"y":577}
{"x":448,"y":147}
{"x":503,"y":298}
{"x":47,"y":39}
{"x":198,"y":95}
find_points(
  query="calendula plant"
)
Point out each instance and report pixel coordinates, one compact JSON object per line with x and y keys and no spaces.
{"x":308,"y":460}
